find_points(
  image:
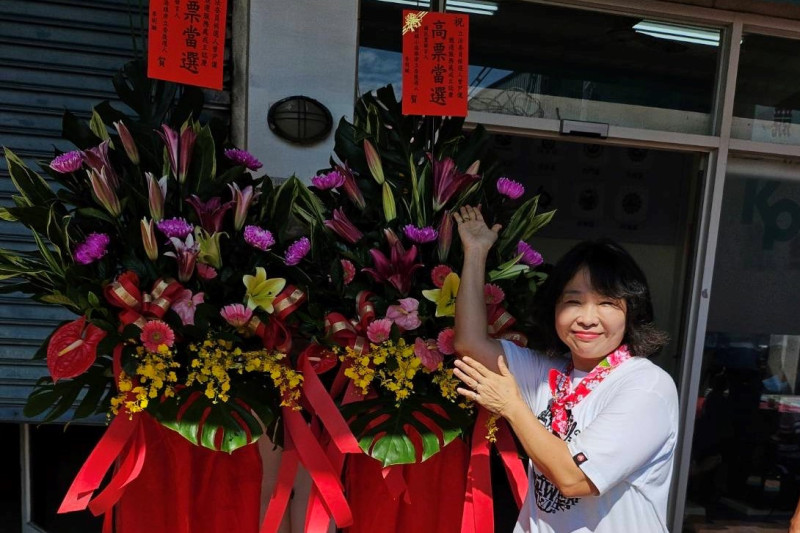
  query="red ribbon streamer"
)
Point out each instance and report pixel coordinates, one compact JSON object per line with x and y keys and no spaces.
{"x":478,"y":501}
{"x":123,"y":438}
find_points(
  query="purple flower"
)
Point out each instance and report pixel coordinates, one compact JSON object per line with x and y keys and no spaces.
{"x":92,"y":249}
{"x":244,"y":158}
{"x":67,"y":162}
{"x":529,"y":256}
{"x":297,"y":251}
{"x":331,"y":180}
{"x":258,"y":238}
{"x":420,"y":235}
{"x":510,"y":188}
{"x":175,"y":227}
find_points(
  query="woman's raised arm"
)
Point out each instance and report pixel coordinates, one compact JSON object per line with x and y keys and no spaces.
{"x":471,"y":333}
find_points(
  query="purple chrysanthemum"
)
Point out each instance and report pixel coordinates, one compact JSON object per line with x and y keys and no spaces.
{"x":67,"y":162}
{"x":331,"y":180}
{"x":92,"y":249}
{"x":297,"y":251}
{"x":529,"y":256}
{"x":258,"y":237}
{"x":510,"y":188}
{"x":244,"y":158}
{"x":420,"y":235}
{"x":175,"y":227}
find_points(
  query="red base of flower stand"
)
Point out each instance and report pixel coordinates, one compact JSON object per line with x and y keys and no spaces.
{"x":435,"y":493}
{"x":185,"y":488}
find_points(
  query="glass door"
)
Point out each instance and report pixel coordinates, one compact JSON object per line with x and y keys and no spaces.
{"x":745,"y":461}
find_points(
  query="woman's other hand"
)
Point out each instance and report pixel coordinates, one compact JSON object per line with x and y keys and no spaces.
{"x":474,"y":233}
{"x":496,"y":391}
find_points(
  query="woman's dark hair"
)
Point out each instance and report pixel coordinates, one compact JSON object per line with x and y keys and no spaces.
{"x":613,"y":273}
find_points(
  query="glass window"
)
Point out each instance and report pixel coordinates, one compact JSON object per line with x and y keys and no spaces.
{"x":767,"y":103}
{"x":745,"y":466}
{"x":553,"y":62}
{"x":647,"y":200}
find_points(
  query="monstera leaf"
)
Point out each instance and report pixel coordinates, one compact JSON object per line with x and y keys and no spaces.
{"x":222,"y":426}
{"x":404,"y":433}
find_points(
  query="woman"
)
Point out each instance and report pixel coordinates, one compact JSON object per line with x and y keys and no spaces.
{"x":600,"y":429}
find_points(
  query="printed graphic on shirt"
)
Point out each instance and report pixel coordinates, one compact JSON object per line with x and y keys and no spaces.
{"x":548,"y":498}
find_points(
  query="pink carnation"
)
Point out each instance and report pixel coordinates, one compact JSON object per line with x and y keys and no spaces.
{"x":510,"y":188}
{"x":67,"y":162}
{"x":405,"y":315}
{"x":438,"y":274}
{"x":236,"y":315}
{"x":92,"y":249}
{"x":297,"y":251}
{"x":445,"y":341}
{"x":206,"y":272}
{"x":493,"y":294}
{"x":420,"y":235}
{"x":428,"y":353}
{"x":349,"y":271}
{"x":156,"y":333}
{"x":244,"y":158}
{"x":258,"y":237}
{"x":331,"y":180}
{"x":379,"y":330}
{"x":530,"y":256}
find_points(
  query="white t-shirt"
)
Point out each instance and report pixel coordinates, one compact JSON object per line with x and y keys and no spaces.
{"x":626,"y":429}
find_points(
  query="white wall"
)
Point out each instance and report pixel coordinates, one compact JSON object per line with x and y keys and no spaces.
{"x":294,"y":47}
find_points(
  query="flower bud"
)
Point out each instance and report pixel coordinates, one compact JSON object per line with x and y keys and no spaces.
{"x":149,"y":239}
{"x":127,"y":142}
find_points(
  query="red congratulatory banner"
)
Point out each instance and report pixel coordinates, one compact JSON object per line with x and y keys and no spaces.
{"x":186,"y":42}
{"x":435,"y":63}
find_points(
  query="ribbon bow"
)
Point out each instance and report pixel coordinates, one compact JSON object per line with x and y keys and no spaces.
{"x":273,"y":332}
{"x":500,"y":322}
{"x":137,"y":306}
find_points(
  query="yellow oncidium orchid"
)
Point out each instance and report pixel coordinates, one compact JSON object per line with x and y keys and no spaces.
{"x":445,"y":297}
{"x":261,"y":291}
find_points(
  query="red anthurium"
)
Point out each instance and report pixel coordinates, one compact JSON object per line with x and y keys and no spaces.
{"x":73,"y":349}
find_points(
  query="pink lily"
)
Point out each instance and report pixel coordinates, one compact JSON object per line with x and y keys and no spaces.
{"x":97,"y":159}
{"x":211,"y":212}
{"x":448,"y":180}
{"x":149,"y":239}
{"x":186,"y":305}
{"x":374,"y":162}
{"x":243,"y":199}
{"x":127,"y":142}
{"x":445,"y":236}
{"x":342,"y":226}
{"x":186,"y":255}
{"x":104,"y":191}
{"x":398,"y":271}
{"x":156,"y":193}
{"x":179,"y":149}
{"x":351,"y":187}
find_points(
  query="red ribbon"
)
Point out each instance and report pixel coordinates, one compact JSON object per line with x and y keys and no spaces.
{"x":273,"y":332}
{"x":478,"y":500}
{"x":500,"y":322}
{"x":137,"y":306}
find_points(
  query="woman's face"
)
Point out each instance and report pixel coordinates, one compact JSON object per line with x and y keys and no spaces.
{"x":590,"y":324}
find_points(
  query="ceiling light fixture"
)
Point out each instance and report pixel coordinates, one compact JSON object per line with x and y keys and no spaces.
{"x":475,"y":7}
{"x":678,"y":32}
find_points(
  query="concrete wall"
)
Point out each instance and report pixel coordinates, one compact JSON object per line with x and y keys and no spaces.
{"x":295,"y":47}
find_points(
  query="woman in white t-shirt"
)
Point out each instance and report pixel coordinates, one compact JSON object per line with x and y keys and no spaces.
{"x":600,"y":424}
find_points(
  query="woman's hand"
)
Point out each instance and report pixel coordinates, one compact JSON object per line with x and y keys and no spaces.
{"x":497,"y":392}
{"x":474,"y":233}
